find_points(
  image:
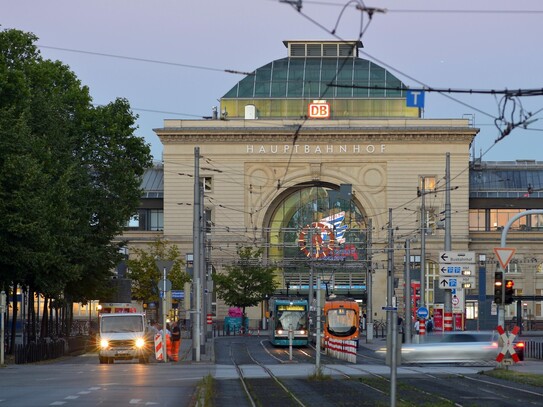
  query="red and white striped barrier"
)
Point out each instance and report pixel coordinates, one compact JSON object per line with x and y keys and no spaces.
{"x":159,"y":355}
{"x":448,"y":321}
{"x":342,"y":350}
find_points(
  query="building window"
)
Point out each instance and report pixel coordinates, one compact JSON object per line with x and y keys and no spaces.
{"x":538,"y":307}
{"x":500,"y":217}
{"x":513,"y":267}
{"x":207,"y":183}
{"x":472,"y":309}
{"x":133,"y":222}
{"x":156,"y":219}
{"x":429,"y":183}
{"x":536,"y":221}
{"x":477,"y":219}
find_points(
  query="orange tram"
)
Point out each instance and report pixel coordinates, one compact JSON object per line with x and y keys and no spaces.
{"x":341,"y":319}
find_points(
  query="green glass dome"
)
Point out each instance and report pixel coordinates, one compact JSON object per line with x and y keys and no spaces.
{"x":310,"y":78}
{"x":284,"y":87}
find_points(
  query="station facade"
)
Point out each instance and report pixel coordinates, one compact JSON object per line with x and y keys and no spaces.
{"x":317,"y":159}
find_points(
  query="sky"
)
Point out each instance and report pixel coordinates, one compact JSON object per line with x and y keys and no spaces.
{"x":168,"y":57}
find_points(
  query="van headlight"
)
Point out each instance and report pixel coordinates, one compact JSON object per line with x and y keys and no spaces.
{"x":104,"y":343}
{"x":140,"y":343}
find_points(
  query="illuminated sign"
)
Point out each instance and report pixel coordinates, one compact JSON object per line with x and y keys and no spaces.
{"x":319,"y":109}
{"x":291,"y":308}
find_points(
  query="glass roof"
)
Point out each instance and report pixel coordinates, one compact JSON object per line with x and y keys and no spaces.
{"x":310,"y":78}
{"x":503,"y":180}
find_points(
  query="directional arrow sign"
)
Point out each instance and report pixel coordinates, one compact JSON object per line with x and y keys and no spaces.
{"x":456,"y":269}
{"x":504,"y":254}
{"x":457,"y":282}
{"x":457,"y":257}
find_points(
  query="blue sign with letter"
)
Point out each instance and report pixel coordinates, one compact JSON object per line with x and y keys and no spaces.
{"x":414,"y":98}
{"x":178,"y":294}
{"x":422,"y":312}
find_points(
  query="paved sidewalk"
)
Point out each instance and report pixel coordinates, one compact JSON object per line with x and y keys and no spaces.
{"x":187,"y":354}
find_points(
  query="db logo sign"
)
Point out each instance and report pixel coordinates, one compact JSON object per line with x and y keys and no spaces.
{"x":318,"y":110}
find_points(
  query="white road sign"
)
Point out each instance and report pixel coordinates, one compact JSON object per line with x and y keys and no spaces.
{"x":452,"y":270}
{"x":457,"y":282}
{"x":457,"y":257}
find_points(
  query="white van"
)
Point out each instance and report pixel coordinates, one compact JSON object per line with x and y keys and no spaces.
{"x":123,"y":337}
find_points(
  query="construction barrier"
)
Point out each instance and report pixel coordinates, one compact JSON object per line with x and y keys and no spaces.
{"x":159,"y":355}
{"x":342,"y":350}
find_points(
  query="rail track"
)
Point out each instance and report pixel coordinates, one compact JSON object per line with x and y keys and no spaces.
{"x":261,"y":391}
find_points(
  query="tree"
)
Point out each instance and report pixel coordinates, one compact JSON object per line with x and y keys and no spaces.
{"x":144,"y":272}
{"x":70,"y":176}
{"x":247,"y":281}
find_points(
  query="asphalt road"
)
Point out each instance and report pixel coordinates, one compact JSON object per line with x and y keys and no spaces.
{"x":82,"y":381}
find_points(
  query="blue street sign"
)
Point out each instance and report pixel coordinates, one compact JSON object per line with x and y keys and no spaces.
{"x":414,"y":98}
{"x":422,"y":312}
{"x":178,"y":294}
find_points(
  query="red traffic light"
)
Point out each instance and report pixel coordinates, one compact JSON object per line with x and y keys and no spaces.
{"x":509,"y":284}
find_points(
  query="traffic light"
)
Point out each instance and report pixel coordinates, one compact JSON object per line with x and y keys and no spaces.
{"x":498,"y":287}
{"x":509,"y":291}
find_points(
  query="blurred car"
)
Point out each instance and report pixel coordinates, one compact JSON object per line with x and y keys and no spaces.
{"x":452,"y":347}
{"x":519,"y":346}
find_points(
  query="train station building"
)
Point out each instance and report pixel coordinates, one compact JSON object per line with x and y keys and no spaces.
{"x":318,"y":159}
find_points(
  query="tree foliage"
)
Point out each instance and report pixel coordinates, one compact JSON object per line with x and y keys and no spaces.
{"x":70,"y":175}
{"x":247,"y":281}
{"x":145,"y":274}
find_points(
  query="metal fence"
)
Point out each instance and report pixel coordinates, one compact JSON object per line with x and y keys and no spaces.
{"x":39,"y":351}
{"x":533,"y":349}
{"x":51,"y":349}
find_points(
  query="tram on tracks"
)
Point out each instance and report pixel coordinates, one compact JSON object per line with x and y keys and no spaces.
{"x":289,"y":315}
{"x":341,"y":319}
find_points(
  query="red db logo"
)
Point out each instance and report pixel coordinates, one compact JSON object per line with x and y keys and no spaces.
{"x":319,"y":110}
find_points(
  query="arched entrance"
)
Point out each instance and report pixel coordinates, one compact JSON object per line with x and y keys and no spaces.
{"x":319,"y":227}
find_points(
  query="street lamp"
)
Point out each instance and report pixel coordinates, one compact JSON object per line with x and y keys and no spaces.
{"x":164,"y":286}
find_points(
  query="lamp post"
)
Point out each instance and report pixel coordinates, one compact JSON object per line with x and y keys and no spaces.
{"x":164,"y":287}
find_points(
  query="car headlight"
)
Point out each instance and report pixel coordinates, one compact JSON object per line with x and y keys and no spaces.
{"x":140,"y":343}
{"x":104,"y":343}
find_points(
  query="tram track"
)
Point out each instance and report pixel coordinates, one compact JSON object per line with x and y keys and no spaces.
{"x":262,"y":391}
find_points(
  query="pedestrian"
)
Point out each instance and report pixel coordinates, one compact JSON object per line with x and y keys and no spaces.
{"x":417,"y":326}
{"x":169,"y":341}
{"x":429,"y":325}
{"x":176,"y":341}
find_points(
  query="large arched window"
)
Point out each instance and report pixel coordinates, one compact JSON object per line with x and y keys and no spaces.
{"x":321,"y":227}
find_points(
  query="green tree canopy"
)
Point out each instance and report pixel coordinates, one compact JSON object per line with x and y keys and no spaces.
{"x":247,"y":281}
{"x":70,"y":175}
{"x":145,"y":274}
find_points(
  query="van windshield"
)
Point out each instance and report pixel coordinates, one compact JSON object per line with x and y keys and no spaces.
{"x":126,"y":323}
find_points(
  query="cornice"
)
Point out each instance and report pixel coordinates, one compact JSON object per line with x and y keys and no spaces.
{"x":437,"y":137}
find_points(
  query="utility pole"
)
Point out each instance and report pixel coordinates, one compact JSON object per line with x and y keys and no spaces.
{"x":318,"y":329}
{"x":369,"y":289}
{"x":447,"y":307}
{"x":390,"y":276}
{"x":203,"y":267}
{"x":392,"y":314}
{"x":196,"y":287}
{"x":311,"y":270}
{"x":422,"y":321}
{"x":407,"y":292}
